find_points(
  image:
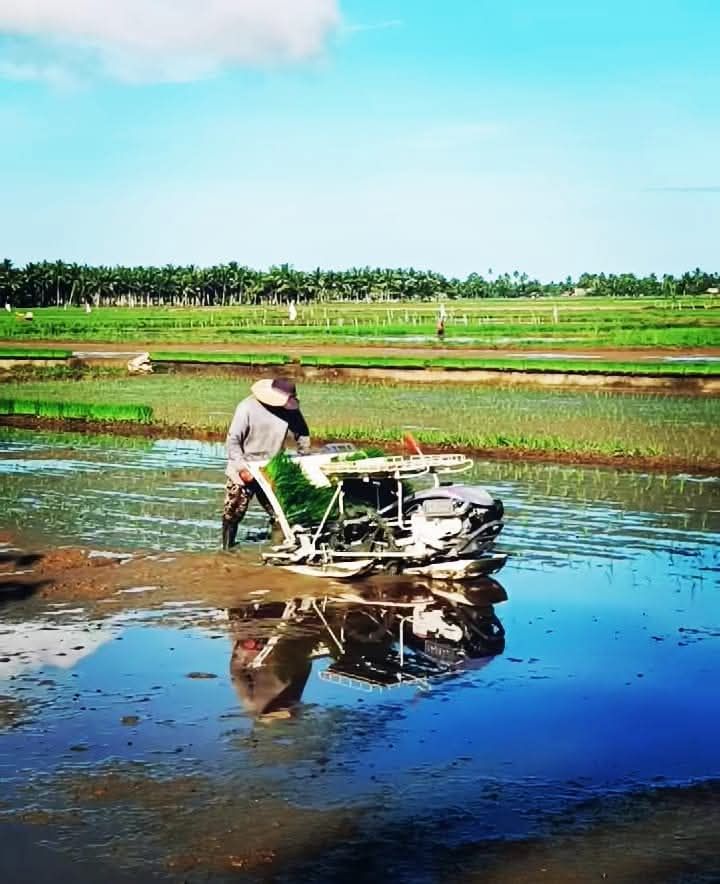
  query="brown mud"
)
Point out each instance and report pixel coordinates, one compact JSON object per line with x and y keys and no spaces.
{"x":660,"y":464}
{"x":77,"y":574}
{"x":670,"y":834}
{"x":658,"y":837}
{"x":12,"y":712}
{"x":195,"y":828}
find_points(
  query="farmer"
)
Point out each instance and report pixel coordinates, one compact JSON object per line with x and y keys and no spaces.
{"x":440,"y":327}
{"x":258,"y":431}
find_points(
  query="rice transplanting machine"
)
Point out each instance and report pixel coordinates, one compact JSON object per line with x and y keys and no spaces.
{"x":376,"y":522}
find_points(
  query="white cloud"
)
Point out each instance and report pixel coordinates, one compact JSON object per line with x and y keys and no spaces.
{"x":31,"y":71}
{"x":165,"y":39}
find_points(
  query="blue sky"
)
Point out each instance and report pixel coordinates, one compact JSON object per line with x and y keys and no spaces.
{"x":548,"y":136}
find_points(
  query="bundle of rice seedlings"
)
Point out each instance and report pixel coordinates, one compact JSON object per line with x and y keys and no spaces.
{"x":301,"y":500}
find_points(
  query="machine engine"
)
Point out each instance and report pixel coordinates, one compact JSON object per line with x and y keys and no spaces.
{"x":454,"y":521}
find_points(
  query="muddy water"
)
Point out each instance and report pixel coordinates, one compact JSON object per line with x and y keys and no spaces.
{"x":558,"y":724}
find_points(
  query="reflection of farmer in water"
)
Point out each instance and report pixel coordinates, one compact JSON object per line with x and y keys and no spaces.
{"x":269,"y":673}
{"x":274,"y":643}
{"x":258,"y":431}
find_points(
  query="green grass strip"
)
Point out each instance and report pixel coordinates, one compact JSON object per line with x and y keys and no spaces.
{"x":33,"y":353}
{"x":451,"y":363}
{"x":76,"y":410}
{"x":220,"y":358}
{"x":367,"y":361}
{"x":531,"y":366}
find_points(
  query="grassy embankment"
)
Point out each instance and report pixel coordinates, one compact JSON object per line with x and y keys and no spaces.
{"x":446,"y":363}
{"x":518,"y":322}
{"x":683,"y":429}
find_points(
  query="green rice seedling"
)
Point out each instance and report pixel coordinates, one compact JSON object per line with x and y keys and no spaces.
{"x":220,"y":358}
{"x":299,"y":498}
{"x":33,"y":353}
{"x":515,"y":364}
{"x":367,"y":451}
{"x":17,"y":406}
{"x":57,"y":410}
{"x":304,"y":502}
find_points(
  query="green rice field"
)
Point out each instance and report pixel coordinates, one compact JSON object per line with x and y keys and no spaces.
{"x":71,"y":410}
{"x":446,"y":363}
{"x":34,"y":353}
{"x":627,"y":424}
{"x":693,"y":321}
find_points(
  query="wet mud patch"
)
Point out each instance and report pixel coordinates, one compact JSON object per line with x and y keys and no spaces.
{"x":13,"y":712}
{"x":126,"y":580}
{"x":187,"y":825}
{"x":657,"y":837}
{"x":129,"y":785}
{"x":17,"y":573}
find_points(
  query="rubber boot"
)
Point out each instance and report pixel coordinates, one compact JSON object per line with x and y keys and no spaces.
{"x":275,"y":533}
{"x":229,"y":534}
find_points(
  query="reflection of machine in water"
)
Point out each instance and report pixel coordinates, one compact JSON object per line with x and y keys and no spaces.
{"x":373,"y":642}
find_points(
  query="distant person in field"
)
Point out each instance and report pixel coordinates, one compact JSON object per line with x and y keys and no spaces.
{"x":258,"y":431}
{"x":440,"y":327}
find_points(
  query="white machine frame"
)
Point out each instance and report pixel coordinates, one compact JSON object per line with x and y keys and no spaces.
{"x":302,"y":552}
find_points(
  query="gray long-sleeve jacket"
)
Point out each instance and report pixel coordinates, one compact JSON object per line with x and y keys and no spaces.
{"x":256,"y":434}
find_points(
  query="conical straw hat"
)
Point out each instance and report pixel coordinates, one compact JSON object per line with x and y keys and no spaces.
{"x":265,"y":392}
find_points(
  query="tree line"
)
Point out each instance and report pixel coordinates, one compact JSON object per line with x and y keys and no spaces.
{"x":58,"y":284}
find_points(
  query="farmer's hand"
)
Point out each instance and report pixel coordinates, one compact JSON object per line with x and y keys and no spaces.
{"x":247,"y":477}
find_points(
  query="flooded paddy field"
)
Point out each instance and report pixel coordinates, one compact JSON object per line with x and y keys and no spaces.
{"x":170,"y":712}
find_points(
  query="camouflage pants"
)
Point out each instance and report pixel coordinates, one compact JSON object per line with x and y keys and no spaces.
{"x":237,"y":501}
